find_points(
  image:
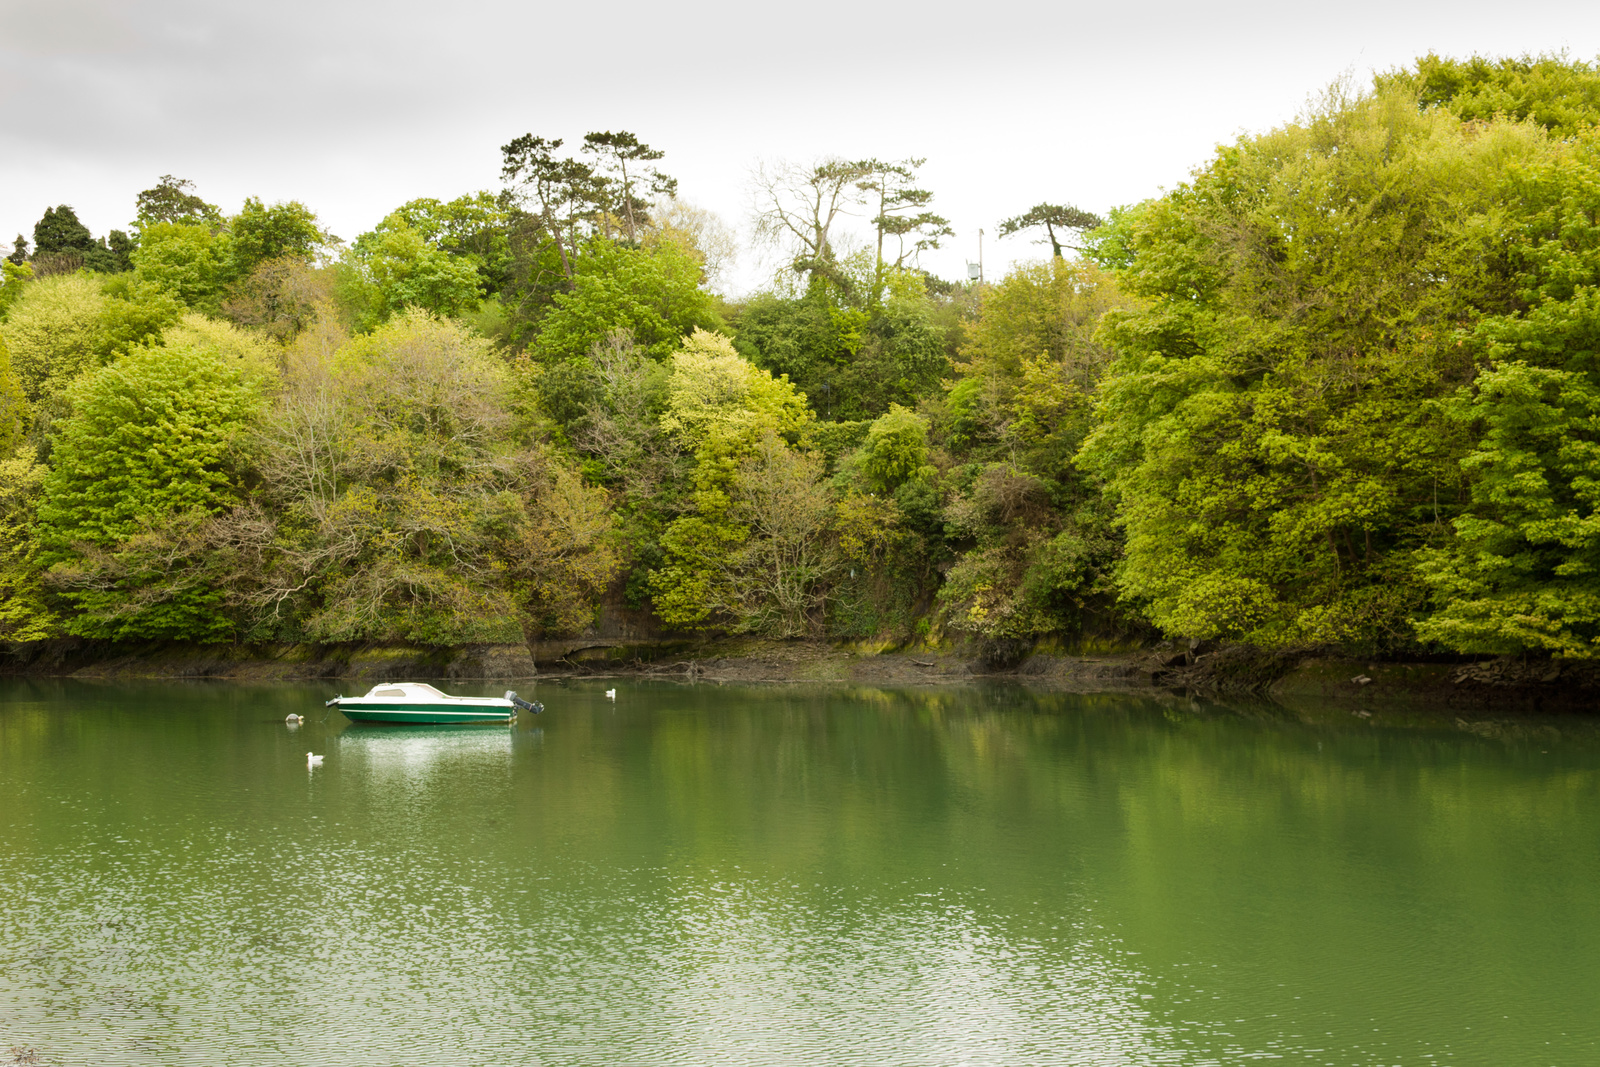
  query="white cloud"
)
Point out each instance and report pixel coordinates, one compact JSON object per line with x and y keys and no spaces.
{"x":354,"y":108}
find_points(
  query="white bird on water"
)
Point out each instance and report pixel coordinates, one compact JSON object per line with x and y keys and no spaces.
{"x":611,"y":694}
{"x":313,"y":760}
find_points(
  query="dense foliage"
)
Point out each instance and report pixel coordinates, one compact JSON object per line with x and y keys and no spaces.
{"x":1340,"y":388}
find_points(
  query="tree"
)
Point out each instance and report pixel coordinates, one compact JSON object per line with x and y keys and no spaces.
{"x":1052,"y":217}
{"x":60,"y":231}
{"x":712,"y":241}
{"x":1040,"y":319}
{"x":1519,"y":574}
{"x":890,"y":188}
{"x":1034,"y":537}
{"x":1523,"y":572}
{"x":896,"y":449}
{"x":614,"y":152}
{"x":779,"y":498}
{"x":619,"y":430}
{"x":13,"y":405}
{"x":260,"y":233}
{"x":13,"y":283}
{"x":19,"y":251}
{"x":150,"y":441}
{"x":475,"y":227}
{"x":25,"y":612}
{"x":653,"y":294}
{"x":54,"y":333}
{"x":797,"y":208}
{"x":193,"y":262}
{"x":1560,"y":94}
{"x":560,"y":554}
{"x":562,"y":192}
{"x":173,"y":200}
{"x":1270,"y":427}
{"x":63,"y":244}
{"x":394,"y":268}
{"x":803,"y":339}
{"x":388,"y":463}
{"x":115,"y":254}
{"x":721,"y":408}
{"x":280,"y":297}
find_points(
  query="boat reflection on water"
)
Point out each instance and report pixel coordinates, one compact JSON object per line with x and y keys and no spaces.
{"x":421,"y":751}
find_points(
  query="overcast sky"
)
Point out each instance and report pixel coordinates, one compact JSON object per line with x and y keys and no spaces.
{"x":356,"y":107}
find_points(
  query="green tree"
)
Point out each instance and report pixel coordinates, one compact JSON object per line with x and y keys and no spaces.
{"x":260,"y":233}
{"x":55,"y":332}
{"x":1560,"y":94}
{"x":13,"y":405}
{"x":1269,"y":427}
{"x":114,"y":255}
{"x":397,"y":493}
{"x":13,"y":283}
{"x":173,"y":200}
{"x":475,"y":227}
{"x":654,"y":294}
{"x":853,"y":360}
{"x":564,"y":195}
{"x":1519,"y":574}
{"x":1033,"y":336}
{"x":60,"y":231}
{"x":1523,"y":571}
{"x":723,"y":410}
{"x":25,"y":612}
{"x":1051,"y":217}
{"x":65,"y":325}
{"x":558,"y":553}
{"x":615,"y":151}
{"x":900,"y":214}
{"x":193,"y":262}
{"x":394,"y":268}
{"x":150,"y":441}
{"x":896,"y":449}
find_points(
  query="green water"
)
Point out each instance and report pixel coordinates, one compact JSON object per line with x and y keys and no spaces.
{"x":705,"y":875}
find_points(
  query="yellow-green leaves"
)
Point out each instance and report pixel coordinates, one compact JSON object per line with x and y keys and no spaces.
{"x":149,"y":435}
{"x":752,"y":552}
{"x":1270,"y":427}
{"x":1523,"y":571}
{"x":147,"y":455}
{"x":55,"y":332}
{"x":13,"y":405}
{"x":25,"y":614}
{"x":717,"y":398}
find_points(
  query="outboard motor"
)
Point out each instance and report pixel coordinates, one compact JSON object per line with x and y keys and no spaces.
{"x":533,"y":706}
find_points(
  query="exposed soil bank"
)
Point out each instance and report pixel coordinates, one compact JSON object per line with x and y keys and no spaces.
{"x":1519,"y":686}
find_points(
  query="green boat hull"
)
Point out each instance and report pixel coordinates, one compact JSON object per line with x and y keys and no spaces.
{"x":424,"y":716}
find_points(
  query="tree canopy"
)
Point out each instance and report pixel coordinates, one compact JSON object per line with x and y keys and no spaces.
{"x":1341,"y":389}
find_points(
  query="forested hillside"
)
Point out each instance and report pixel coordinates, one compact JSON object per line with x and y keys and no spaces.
{"x":1340,"y":388}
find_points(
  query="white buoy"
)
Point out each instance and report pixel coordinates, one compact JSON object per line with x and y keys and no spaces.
{"x":312,"y":760}
{"x":611,"y":694}
{"x":294,"y":720}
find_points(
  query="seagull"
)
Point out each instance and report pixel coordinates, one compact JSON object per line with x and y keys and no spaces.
{"x":312,"y":760}
{"x":611,"y":694}
{"x":294,"y":720}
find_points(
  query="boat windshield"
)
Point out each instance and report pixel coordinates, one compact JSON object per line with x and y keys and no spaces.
{"x":411,"y":690}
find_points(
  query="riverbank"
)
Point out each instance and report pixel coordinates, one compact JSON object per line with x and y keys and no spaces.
{"x":1523,"y":686}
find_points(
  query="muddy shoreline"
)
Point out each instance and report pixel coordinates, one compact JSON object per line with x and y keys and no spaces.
{"x":1487,"y":685}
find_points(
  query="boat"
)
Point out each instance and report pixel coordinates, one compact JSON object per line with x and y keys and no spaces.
{"x":420,"y":703}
